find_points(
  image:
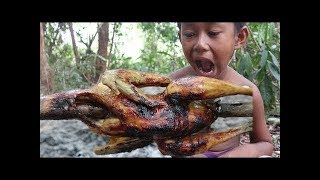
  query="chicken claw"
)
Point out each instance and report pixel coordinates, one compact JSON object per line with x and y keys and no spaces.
{"x":127,"y":83}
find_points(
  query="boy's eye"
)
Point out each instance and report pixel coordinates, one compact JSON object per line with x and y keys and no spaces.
{"x":212,"y":33}
{"x":188,"y":34}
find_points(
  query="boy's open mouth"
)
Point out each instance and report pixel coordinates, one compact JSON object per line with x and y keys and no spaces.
{"x":205,"y":66}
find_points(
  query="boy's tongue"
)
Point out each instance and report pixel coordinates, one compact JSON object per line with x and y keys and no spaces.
{"x":205,"y":66}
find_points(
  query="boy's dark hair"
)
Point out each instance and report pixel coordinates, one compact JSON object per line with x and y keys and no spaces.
{"x":237,"y":25}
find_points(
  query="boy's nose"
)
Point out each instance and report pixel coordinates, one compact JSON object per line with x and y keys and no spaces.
{"x":202,"y":43}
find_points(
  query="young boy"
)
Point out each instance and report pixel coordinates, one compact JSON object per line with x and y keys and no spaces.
{"x":209,"y":47}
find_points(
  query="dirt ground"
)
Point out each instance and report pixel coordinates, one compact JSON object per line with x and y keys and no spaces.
{"x":274,"y":130}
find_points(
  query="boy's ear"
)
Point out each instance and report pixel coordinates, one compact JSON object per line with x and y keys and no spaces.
{"x":179,"y":35}
{"x":242,"y":37}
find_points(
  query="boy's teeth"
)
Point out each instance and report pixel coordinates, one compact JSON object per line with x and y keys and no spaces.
{"x":205,"y":66}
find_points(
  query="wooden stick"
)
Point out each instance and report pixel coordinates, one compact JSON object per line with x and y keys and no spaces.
{"x":72,"y":111}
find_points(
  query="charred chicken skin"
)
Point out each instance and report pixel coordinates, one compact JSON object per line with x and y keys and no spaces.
{"x":174,"y":119}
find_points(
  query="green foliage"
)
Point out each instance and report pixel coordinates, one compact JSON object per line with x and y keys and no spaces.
{"x":259,"y":61}
{"x":61,"y":59}
{"x":162,"y":53}
{"x":121,"y":62}
{"x":67,"y":75}
{"x":244,"y":65}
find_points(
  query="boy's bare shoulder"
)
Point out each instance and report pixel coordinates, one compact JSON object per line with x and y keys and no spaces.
{"x":183,"y":72}
{"x":235,"y":77}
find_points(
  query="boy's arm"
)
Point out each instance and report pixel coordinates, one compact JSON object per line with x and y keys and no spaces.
{"x":260,"y":138}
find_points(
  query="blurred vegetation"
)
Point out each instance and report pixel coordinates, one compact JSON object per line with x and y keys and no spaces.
{"x":259,"y":60}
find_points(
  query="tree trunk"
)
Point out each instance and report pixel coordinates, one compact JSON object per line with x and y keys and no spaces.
{"x":103,"y":40}
{"x":46,"y":74}
{"x":74,"y":45}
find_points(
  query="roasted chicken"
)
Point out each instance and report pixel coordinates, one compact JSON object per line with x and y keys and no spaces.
{"x":175,"y":119}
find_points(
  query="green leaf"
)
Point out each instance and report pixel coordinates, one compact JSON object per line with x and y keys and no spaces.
{"x":244,"y":65}
{"x":274,"y":70}
{"x":252,"y":76}
{"x":265,"y":32}
{"x":247,"y":63}
{"x":240,"y":64}
{"x":260,"y":75}
{"x":264,"y":56}
{"x":274,"y":60}
{"x":267,"y":93}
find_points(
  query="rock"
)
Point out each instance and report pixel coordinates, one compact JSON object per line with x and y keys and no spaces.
{"x":147,"y":151}
{"x":67,"y":138}
{"x":230,"y":122}
{"x":273,"y":120}
{"x":236,"y":98}
{"x":51,"y":141}
{"x":72,"y":138}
